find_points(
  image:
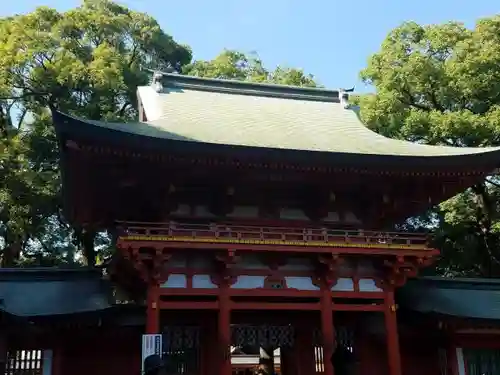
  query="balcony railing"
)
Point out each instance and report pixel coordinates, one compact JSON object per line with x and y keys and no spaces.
{"x":268,"y":235}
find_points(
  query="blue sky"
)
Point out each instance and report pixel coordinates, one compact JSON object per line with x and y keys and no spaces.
{"x":328,"y":38}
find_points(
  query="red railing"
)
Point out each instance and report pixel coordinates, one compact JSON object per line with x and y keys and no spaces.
{"x":173,"y":231}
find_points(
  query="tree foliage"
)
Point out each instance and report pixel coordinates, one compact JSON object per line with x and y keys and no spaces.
{"x":440,"y":84}
{"x":437,"y":84}
{"x":87,"y":62}
{"x":247,"y":67}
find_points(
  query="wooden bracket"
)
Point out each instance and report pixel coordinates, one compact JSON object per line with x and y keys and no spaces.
{"x":223,"y":262}
{"x":273,"y":261}
{"x":149,"y":263}
{"x":398,"y":270}
{"x":327,"y":271}
{"x":226,"y":258}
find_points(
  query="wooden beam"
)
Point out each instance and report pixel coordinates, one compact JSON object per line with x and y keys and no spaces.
{"x":189,"y":305}
{"x":275,"y":306}
{"x":267,"y":293}
{"x":208,"y":246}
{"x":348,"y":307}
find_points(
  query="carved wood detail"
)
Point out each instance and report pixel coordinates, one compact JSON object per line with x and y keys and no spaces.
{"x":398,"y":270}
{"x":273,"y":260}
{"x":149,"y":263}
{"x":223,"y":262}
{"x":327,"y":270}
{"x":275,"y":282}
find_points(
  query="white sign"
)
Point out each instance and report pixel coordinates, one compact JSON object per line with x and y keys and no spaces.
{"x":151,"y":344}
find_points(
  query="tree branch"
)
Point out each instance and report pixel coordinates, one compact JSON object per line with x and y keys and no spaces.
{"x":25,"y":95}
{"x":61,"y":220}
{"x":493,"y":183}
{"x":21,"y":118}
{"x":133,"y":55}
{"x":5,"y":122}
{"x":122,"y":110}
{"x":435,"y":103}
{"x":411,"y":101}
{"x":44,"y":246}
{"x":485,"y":212}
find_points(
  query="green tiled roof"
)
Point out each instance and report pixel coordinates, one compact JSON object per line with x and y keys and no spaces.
{"x":30,"y":292}
{"x":268,"y":116}
{"x":466,"y":298}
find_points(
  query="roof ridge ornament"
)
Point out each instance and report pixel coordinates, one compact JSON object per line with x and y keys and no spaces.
{"x":157,"y":81}
{"x":344,"y":97}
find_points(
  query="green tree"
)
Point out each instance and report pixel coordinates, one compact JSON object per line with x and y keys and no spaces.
{"x":86,"y":62}
{"x":247,"y":67}
{"x":440,"y":84}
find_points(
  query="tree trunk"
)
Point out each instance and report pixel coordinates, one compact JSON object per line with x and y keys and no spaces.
{"x":485,"y":216}
{"x":11,"y":253}
{"x":88,"y":237}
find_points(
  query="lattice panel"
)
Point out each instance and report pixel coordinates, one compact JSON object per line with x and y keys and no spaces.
{"x":186,"y":362}
{"x":344,"y":336}
{"x":181,"y":338}
{"x":24,"y":362}
{"x":181,"y":350}
{"x":265,"y":335}
{"x":317,"y":337}
{"x":482,"y":361}
{"x":443,"y":361}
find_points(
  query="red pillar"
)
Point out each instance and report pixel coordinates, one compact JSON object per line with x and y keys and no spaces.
{"x":57,"y":359}
{"x":224,"y":332}
{"x":153,"y":309}
{"x":327,"y":330}
{"x":391,"y":325}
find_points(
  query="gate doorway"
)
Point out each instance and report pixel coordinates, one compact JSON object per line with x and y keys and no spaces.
{"x":181,"y":350}
{"x":260,"y":346}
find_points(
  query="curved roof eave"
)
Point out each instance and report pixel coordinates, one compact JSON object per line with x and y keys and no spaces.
{"x":465,"y":298}
{"x":374,"y":149}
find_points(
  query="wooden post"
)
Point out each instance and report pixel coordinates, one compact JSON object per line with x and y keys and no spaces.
{"x":452,"y":360}
{"x":327,"y":330}
{"x":224,"y":331}
{"x":58,"y":359}
{"x":3,"y":350}
{"x":153,"y":309}
{"x":391,"y":325}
